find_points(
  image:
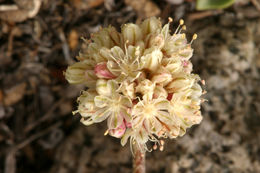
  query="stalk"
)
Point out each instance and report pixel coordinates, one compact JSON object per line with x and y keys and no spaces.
{"x":138,"y":158}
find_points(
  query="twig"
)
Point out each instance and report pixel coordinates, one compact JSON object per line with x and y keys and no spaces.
{"x":256,"y":4}
{"x":65,"y":47}
{"x":200,"y":15}
{"x":8,"y":7}
{"x":35,"y":136}
{"x":45,"y":117}
{"x":10,"y":162}
{"x":20,"y":11}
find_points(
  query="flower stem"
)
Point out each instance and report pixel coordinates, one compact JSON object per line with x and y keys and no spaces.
{"x":138,"y":159}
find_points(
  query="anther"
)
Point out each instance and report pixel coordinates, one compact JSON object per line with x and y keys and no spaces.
{"x":106,"y":132}
{"x":184,"y":27}
{"x":162,"y":142}
{"x":181,"y":22}
{"x":154,"y":147}
{"x":203,"y":82}
{"x":161,"y":148}
{"x":170,"y":19}
{"x":194,"y":37}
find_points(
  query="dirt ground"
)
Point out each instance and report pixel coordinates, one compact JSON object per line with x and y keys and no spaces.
{"x":39,"y":134}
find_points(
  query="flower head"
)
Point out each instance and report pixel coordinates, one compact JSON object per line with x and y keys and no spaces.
{"x":140,"y":81}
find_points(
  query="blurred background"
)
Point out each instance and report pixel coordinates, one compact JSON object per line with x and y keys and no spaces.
{"x":40,"y":38}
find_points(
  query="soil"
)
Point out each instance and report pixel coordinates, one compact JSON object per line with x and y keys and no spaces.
{"x":38,"y":132}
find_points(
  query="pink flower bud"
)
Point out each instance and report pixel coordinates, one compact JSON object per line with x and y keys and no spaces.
{"x":118,"y":132}
{"x":102,"y":71}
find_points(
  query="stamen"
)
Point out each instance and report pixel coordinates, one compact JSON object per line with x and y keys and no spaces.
{"x":194,"y":37}
{"x":182,"y":28}
{"x":106,"y":132}
{"x":140,"y":101}
{"x":180,"y":24}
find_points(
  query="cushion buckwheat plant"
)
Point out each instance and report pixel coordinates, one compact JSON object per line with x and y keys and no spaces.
{"x":139,"y":81}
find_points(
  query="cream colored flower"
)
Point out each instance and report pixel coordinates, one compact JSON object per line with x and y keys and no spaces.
{"x":87,"y":107}
{"x":111,"y":104}
{"x":186,"y":107}
{"x":151,"y":114}
{"x":146,"y":87}
{"x":140,"y":81}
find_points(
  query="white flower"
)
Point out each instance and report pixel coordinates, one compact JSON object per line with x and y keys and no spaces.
{"x":186,"y":107}
{"x":111,"y":104}
{"x":140,"y":81}
{"x":151,"y":114}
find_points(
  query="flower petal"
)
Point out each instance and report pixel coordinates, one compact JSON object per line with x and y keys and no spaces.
{"x":100,"y":115}
{"x":131,"y":33}
{"x":101,"y":101}
{"x":125,"y":137}
{"x":115,"y":120}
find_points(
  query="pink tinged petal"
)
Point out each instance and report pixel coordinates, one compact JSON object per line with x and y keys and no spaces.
{"x":102,"y":71}
{"x":128,"y":125}
{"x":126,"y":115}
{"x":187,"y":66}
{"x":162,"y":78}
{"x":118,"y":132}
{"x":114,"y":121}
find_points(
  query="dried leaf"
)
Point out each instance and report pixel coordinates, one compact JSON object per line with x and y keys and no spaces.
{"x":14,"y":94}
{"x":86,"y":4}
{"x":144,"y":8}
{"x":21,"y":11}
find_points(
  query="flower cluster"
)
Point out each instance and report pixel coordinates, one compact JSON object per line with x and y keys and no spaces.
{"x":139,"y":81}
